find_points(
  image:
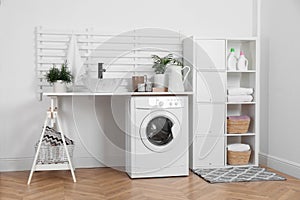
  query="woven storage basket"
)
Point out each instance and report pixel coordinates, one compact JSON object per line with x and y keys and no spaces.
{"x":52,"y":149}
{"x":238,"y":124}
{"x":53,"y":154}
{"x":238,"y":157}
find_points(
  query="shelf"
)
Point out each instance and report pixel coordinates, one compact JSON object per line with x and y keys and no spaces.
{"x":233,"y":103}
{"x":242,"y":134}
{"x":247,"y":46}
{"x":209,"y":119}
{"x":239,"y":71}
{"x":45,"y":167}
{"x":158,"y":93}
{"x":117,"y":93}
{"x":211,"y":70}
{"x":245,"y":139}
{"x":238,"y":79}
{"x":243,"y":39}
{"x":243,"y":109}
{"x":248,"y":165}
{"x":227,"y":38}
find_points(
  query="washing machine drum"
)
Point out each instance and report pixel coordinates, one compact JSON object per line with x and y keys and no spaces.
{"x":160,"y":131}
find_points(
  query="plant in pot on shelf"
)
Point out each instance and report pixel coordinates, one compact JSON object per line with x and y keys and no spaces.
{"x":59,"y":77}
{"x":160,"y":66}
{"x":174,"y":67}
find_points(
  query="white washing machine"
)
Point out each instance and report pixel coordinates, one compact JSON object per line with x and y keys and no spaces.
{"x":157,"y":136}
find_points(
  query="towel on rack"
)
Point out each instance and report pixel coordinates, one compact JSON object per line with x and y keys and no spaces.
{"x":74,"y":61}
{"x":239,"y":98}
{"x":239,"y":91}
{"x":53,"y":138}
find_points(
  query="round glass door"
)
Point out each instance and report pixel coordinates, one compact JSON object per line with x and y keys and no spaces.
{"x":160,"y":131}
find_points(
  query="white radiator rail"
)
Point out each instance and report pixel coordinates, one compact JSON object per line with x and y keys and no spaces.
{"x":136,"y":48}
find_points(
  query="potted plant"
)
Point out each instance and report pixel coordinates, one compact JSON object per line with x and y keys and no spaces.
{"x":160,"y":66}
{"x":59,"y":77}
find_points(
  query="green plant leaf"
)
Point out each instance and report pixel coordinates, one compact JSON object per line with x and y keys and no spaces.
{"x":55,"y":74}
{"x":160,"y":64}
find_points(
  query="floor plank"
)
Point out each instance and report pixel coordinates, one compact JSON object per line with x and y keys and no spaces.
{"x":107,"y":183}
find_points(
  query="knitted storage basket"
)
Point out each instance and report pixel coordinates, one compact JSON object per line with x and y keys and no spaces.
{"x":238,"y":157}
{"x":238,"y":124}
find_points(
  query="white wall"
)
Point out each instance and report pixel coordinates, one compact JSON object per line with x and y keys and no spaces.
{"x":280,"y":54}
{"x":22,"y":115}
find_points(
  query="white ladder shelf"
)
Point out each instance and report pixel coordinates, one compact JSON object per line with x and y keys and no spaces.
{"x":52,"y":117}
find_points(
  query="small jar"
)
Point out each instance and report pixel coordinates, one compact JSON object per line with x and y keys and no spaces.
{"x":141,"y":87}
{"x":148,"y":87}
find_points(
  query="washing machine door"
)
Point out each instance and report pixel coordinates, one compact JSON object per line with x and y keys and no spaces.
{"x":160,"y":130}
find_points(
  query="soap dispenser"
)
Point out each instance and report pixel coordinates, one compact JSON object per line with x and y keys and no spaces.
{"x":242,"y":63}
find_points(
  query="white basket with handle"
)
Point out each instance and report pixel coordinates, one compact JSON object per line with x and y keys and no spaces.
{"x":52,"y":149}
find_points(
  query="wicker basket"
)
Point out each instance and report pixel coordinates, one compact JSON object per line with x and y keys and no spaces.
{"x":238,"y":124}
{"x":53,"y":154}
{"x":238,"y":157}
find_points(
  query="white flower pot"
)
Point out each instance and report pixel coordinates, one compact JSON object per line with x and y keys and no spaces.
{"x":59,"y":87}
{"x":160,"y":80}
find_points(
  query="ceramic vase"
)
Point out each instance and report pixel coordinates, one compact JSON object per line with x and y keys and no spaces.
{"x":59,"y":86}
{"x":160,"y":80}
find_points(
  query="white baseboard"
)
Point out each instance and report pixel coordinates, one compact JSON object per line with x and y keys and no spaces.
{"x":282,"y":165}
{"x":89,"y":162}
{"x":263,"y":159}
{"x":15,"y":164}
{"x":23,"y":164}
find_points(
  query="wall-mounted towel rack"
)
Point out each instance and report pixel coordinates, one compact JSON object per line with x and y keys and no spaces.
{"x":136,"y":48}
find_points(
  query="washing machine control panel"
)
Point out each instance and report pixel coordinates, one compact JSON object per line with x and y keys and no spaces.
{"x":163,"y":102}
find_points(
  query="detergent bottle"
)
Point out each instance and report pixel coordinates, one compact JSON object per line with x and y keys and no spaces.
{"x":231,"y":60}
{"x":242,"y":63}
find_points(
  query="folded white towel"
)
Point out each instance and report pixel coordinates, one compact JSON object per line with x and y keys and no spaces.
{"x":239,"y":91}
{"x":74,"y":60}
{"x":240,"y":98}
{"x":238,"y":147}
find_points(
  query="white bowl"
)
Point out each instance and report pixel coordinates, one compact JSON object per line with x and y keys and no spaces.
{"x":102,"y":85}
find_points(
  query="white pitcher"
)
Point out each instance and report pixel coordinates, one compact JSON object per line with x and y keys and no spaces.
{"x":175,"y":77}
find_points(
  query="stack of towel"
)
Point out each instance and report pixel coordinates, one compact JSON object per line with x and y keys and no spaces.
{"x":240,"y":94}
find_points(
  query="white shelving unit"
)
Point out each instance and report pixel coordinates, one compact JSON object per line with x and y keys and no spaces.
{"x":248,"y":79}
{"x":209,"y":106}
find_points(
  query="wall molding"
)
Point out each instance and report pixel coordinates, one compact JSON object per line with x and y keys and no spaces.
{"x":22,"y":164}
{"x":15,"y":164}
{"x":285,"y":166}
{"x":25,"y":163}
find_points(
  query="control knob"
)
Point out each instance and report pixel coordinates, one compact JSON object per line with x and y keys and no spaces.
{"x":161,"y":103}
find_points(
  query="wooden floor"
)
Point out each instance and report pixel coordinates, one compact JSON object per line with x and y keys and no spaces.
{"x":106,"y":183}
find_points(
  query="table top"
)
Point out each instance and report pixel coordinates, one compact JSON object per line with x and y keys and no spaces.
{"x":117,"y":93}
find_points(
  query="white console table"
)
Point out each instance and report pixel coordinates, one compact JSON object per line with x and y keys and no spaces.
{"x":53,"y":117}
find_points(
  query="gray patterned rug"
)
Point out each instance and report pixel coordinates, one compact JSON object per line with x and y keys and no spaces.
{"x":237,"y":174}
